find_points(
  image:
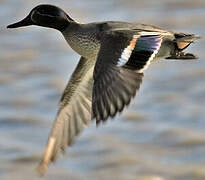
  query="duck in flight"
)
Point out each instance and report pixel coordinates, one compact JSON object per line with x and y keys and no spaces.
{"x":114,"y":56}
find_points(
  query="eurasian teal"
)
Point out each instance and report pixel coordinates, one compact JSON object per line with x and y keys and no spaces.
{"x":114,"y":56}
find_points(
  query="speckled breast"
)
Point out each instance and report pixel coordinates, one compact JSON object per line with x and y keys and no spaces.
{"x":83,"y":43}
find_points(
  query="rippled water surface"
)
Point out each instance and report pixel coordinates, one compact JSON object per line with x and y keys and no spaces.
{"x":161,"y":136}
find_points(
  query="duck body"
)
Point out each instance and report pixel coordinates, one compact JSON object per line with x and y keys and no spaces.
{"x":114,"y":56}
{"x":86,"y":39}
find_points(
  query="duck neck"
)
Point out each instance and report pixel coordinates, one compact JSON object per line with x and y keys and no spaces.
{"x":82,"y":38}
{"x":63,"y":25}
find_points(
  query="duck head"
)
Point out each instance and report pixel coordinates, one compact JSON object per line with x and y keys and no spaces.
{"x":47,"y":16}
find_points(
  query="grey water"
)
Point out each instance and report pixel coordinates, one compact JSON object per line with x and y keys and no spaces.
{"x":160,"y":136}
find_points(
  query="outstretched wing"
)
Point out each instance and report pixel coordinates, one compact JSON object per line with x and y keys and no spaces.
{"x":74,"y":112}
{"x":119,"y":70}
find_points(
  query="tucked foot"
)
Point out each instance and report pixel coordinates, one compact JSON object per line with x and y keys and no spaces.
{"x":183,"y":56}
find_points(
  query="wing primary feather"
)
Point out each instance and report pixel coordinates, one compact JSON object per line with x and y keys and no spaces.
{"x":65,"y":136}
{"x":68,"y":124}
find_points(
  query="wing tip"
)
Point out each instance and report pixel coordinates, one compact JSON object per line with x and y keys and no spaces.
{"x":42,"y":168}
{"x":47,"y":157}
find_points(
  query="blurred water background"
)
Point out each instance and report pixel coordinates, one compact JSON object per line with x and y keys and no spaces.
{"x":161,"y":136}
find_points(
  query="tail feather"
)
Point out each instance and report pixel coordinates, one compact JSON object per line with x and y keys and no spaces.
{"x":182,"y":41}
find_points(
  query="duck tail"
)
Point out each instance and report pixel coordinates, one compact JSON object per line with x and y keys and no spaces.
{"x":182,"y":41}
